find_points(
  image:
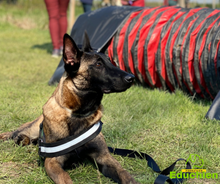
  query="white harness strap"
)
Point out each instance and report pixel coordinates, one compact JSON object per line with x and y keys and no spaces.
{"x":68,"y":144}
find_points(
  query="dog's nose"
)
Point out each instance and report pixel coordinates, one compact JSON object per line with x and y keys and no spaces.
{"x":129,"y":78}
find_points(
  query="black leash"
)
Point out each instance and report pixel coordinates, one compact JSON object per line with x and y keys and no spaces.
{"x":163,"y":175}
{"x":70,"y":143}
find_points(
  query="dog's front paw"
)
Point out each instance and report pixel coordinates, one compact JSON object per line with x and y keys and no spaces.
{"x":21,"y":140}
{"x":5,"y":136}
{"x":127,"y":178}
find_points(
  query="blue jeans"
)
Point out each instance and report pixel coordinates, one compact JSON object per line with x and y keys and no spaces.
{"x":87,"y":7}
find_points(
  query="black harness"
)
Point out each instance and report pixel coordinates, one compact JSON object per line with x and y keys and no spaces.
{"x":67,"y":144}
{"x":70,"y":144}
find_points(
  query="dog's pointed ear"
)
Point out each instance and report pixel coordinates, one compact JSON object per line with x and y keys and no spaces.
{"x":71,"y":55}
{"x":86,"y":43}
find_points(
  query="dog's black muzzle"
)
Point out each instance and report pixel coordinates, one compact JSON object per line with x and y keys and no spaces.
{"x":129,"y":79}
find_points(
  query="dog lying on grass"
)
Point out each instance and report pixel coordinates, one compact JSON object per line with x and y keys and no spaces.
{"x":74,"y":107}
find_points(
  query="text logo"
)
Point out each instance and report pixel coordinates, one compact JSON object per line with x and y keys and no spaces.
{"x":196,"y":172}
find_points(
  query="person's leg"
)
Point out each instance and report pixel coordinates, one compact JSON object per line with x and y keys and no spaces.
{"x":83,"y":5}
{"x":53,"y":12}
{"x":87,"y":7}
{"x":63,"y":4}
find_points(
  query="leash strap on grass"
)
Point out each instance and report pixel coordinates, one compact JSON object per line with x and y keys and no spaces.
{"x":162,"y":177}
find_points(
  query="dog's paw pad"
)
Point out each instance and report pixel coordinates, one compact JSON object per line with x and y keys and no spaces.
{"x":5,"y":136}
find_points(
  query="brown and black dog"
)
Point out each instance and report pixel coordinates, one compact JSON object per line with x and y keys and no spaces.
{"x":76,"y":105}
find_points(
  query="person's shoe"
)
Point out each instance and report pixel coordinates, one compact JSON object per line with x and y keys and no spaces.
{"x":56,"y":53}
{"x":61,"y":51}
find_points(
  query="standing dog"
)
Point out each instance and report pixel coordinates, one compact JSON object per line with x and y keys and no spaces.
{"x":75,"y":106}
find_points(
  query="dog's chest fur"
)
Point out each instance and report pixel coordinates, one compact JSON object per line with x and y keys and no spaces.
{"x":66,"y":105}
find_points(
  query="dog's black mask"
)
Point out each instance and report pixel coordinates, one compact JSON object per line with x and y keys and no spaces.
{"x":94,"y":69}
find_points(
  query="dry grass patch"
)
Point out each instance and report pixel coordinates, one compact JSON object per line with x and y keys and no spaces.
{"x":9,"y":169}
{"x":201,"y":181}
{"x":14,"y":170}
{"x":23,"y":23}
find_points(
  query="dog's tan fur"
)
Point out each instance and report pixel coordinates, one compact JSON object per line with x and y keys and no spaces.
{"x":75,"y":106}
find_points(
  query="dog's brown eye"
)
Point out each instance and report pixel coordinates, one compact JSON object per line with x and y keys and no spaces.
{"x":98,"y":64}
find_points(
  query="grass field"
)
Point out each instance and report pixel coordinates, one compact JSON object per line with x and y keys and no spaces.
{"x":163,"y":125}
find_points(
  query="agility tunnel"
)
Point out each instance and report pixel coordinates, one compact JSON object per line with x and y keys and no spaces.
{"x":164,"y":47}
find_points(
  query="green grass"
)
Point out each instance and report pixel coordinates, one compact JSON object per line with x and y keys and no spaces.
{"x":163,"y":125}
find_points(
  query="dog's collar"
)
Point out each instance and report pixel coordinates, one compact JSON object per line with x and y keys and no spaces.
{"x":78,"y":115}
{"x":68,"y":144}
